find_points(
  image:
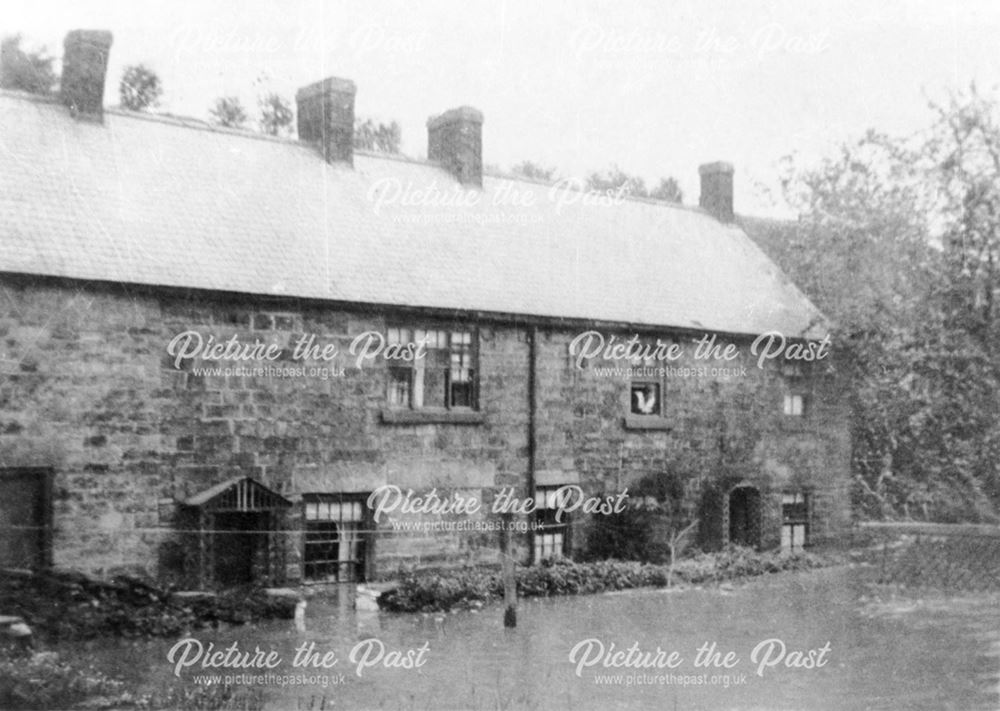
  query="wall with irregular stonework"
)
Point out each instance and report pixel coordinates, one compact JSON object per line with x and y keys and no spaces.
{"x":716,"y":431}
{"x":89,"y":389}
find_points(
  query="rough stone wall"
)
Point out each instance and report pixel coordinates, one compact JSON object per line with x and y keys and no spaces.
{"x":717,"y":431}
{"x":88,"y":388}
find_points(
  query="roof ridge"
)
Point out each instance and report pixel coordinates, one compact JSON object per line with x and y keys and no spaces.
{"x":500,"y":174}
{"x":202,"y":125}
{"x":199,"y":125}
{"x":164,"y":118}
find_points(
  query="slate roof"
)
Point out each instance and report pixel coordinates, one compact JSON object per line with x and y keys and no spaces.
{"x":157,"y":201}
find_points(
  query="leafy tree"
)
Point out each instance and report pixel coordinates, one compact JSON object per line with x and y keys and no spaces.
{"x":615,"y":179}
{"x":380,"y":137}
{"x":898,"y":242}
{"x":275,"y":115}
{"x":668,"y":190}
{"x":533,"y":171}
{"x":228,"y":111}
{"x":25,"y":71}
{"x":140,"y":88}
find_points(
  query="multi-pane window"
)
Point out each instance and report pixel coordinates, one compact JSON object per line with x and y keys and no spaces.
{"x":794,"y":405}
{"x":794,"y":520}
{"x":335,"y":546}
{"x":445,"y":375}
{"x":551,"y":536}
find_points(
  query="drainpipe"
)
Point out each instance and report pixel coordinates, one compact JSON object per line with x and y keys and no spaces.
{"x":532,"y":415}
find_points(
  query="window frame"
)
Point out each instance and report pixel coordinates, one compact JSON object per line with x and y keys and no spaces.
{"x":653,"y":420}
{"x":657,"y":384}
{"x":467,"y":352}
{"x":788,"y":408}
{"x":357,"y":568}
{"x":791,"y":519}
{"x":546,"y":525}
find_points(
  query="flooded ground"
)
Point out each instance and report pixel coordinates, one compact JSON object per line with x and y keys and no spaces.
{"x":882,"y":652}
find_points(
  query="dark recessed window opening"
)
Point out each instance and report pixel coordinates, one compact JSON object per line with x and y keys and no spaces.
{"x":644,"y":398}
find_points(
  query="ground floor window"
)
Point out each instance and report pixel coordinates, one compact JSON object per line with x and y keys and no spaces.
{"x":551,"y":536}
{"x":795,"y":520}
{"x":336,"y":546}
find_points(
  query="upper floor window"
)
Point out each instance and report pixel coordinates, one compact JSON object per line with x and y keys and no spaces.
{"x":645,"y":398}
{"x":445,"y":376}
{"x":795,"y":405}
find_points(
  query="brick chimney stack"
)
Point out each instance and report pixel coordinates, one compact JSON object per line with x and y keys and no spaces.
{"x":455,"y":140}
{"x":717,"y":190}
{"x":85,"y":67}
{"x":326,"y":117}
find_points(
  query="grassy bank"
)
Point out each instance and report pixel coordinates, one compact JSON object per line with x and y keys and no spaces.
{"x":434,"y":592}
{"x":67,"y":605}
{"x":44,"y":681}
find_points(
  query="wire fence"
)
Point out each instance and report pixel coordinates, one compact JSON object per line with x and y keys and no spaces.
{"x":949,"y":557}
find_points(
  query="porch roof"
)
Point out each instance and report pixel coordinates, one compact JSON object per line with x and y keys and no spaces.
{"x":240,"y":493}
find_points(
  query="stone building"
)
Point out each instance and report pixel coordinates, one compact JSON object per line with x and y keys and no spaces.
{"x":216,"y":345}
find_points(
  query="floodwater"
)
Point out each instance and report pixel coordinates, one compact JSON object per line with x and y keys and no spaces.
{"x":882,"y":652}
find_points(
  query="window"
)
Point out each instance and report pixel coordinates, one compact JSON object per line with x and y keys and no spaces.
{"x":445,"y":377}
{"x":791,"y":370}
{"x":645,"y":398}
{"x":336,"y":542}
{"x":272,"y":321}
{"x":647,"y":387}
{"x":794,"y":521}
{"x":794,"y":405}
{"x":551,"y":536}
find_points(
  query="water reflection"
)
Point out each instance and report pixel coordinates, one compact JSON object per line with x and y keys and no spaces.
{"x":885,"y":652}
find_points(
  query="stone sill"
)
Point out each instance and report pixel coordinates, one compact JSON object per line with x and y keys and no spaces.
{"x":646,"y":422}
{"x":430,"y":417}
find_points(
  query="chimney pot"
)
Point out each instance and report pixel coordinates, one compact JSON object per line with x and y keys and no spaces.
{"x":717,"y":190}
{"x":326,"y":117}
{"x":85,"y":68}
{"x":455,"y":139}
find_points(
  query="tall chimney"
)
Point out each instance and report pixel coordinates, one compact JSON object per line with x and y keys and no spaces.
{"x":85,"y":67}
{"x":326,"y":117}
{"x":455,"y":140}
{"x":717,"y":190}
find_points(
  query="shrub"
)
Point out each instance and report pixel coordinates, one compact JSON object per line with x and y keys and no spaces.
{"x":440,"y":591}
{"x":649,"y":526}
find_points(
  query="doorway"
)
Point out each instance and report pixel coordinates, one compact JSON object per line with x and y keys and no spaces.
{"x":240,"y":546}
{"x":25,"y":517}
{"x":744,"y":516}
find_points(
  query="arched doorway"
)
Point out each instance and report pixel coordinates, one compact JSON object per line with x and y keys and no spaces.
{"x":744,"y":516}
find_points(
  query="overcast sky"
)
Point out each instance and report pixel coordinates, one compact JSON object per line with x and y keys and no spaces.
{"x":656,"y":87}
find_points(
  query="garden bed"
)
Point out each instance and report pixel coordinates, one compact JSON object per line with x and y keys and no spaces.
{"x":472,"y":587}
